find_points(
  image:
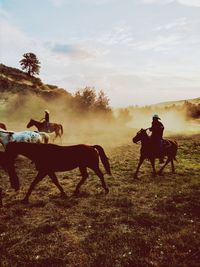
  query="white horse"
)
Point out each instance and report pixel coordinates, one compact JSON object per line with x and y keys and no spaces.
{"x":25,"y":136}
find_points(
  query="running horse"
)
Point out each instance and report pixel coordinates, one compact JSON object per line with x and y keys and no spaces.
{"x":50,"y":158}
{"x":41,"y":126}
{"x":148,"y":151}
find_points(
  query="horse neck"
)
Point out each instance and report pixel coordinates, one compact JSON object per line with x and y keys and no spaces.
{"x":23,"y":149}
{"x":36,"y":123}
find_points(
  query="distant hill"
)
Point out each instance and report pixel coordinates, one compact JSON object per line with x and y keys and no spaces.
{"x":13,"y":80}
{"x":178,"y":102}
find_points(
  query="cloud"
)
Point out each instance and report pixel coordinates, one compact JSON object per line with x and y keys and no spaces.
{"x":74,"y":51}
{"x":194,"y":3}
{"x":160,"y":43}
{"x":177,"y":24}
{"x":119,"y":35}
{"x":13,"y":41}
{"x":58,"y":3}
{"x":4,"y":13}
{"x":98,"y":2}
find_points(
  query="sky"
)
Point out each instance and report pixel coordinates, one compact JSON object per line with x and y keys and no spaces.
{"x":138,"y":52}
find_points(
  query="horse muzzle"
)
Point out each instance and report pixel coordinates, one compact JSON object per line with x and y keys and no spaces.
{"x":135,"y":141}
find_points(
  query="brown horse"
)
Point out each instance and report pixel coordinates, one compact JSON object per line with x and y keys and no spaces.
{"x":148,"y":151}
{"x":41,"y":126}
{"x":50,"y":158}
{"x":3,"y":126}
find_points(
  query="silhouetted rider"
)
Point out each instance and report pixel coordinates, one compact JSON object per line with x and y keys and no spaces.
{"x":46,"y":119}
{"x":157,"y":129}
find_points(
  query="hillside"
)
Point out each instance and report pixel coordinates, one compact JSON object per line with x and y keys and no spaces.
{"x":178,"y":102}
{"x":13,"y":80}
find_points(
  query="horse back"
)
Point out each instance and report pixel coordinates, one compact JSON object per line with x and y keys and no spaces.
{"x":50,"y":157}
{"x":63,"y":158}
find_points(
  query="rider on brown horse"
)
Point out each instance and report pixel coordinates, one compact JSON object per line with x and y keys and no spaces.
{"x":46,"y":119}
{"x":157,"y":129}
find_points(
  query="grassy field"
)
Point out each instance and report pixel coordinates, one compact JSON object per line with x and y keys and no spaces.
{"x":145,"y":222}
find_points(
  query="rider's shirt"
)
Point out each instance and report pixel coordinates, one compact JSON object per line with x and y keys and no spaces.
{"x":157,"y":129}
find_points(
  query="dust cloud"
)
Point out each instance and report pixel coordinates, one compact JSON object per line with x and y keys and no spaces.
{"x":175,"y":122}
{"x":92,"y":128}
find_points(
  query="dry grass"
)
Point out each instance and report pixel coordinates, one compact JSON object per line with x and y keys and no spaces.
{"x":148,"y":222}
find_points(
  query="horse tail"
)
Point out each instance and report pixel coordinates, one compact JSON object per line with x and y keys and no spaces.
{"x":46,"y":138}
{"x":104,"y":158}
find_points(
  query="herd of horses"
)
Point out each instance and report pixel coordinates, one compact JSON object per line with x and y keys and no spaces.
{"x":51,"y":158}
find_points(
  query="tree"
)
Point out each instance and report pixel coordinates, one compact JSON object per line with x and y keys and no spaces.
{"x":102,"y":102}
{"x":85,"y":99}
{"x":30,"y":63}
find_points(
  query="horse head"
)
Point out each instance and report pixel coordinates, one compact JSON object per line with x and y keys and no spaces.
{"x":31,"y":123}
{"x":141,"y":135}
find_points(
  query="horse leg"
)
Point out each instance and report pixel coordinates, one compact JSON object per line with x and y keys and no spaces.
{"x":53,"y":139}
{"x":37,"y":179}
{"x":1,"y":204}
{"x":101,"y":176}
{"x":84,"y":174}
{"x":153,"y":166}
{"x":138,"y":167}
{"x":172,"y":165}
{"x":160,"y":171}
{"x":60,"y":137}
{"x":55,"y":181}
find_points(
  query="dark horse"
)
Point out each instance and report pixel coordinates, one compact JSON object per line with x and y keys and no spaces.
{"x":41,"y":126}
{"x":148,"y":151}
{"x":50,"y":158}
{"x":3,"y":126}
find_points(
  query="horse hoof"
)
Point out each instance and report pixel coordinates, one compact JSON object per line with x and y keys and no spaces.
{"x":106,"y":190}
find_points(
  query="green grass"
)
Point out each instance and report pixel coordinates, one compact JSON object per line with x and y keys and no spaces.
{"x":145,"y":222}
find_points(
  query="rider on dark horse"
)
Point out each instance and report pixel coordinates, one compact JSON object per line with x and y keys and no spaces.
{"x":157,"y":129}
{"x":46,"y":120}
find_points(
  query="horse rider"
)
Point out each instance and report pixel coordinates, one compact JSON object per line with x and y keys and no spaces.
{"x":157,"y":129}
{"x":46,"y":120}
